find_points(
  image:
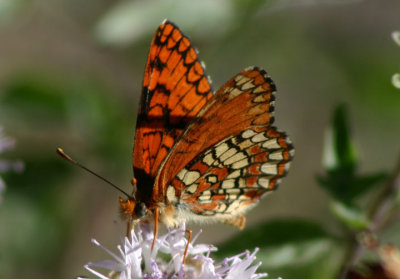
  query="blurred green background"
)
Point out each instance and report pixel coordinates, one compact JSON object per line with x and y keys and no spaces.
{"x":70,"y":76}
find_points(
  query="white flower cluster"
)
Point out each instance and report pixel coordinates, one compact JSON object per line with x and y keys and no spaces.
{"x":136,"y":260}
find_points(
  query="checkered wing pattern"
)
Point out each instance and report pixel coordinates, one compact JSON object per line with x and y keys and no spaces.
{"x":229,"y":177}
{"x":231,"y":156}
{"x":175,"y":88}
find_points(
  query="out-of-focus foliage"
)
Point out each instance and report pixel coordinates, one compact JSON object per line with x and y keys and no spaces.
{"x":70,"y":75}
{"x":9,"y":9}
{"x":36,"y":216}
{"x":345,"y":186}
{"x":288,"y":248}
{"x":127,"y":21}
{"x":341,"y":179}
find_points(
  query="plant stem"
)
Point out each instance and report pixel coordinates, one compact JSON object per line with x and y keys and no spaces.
{"x":353,"y":253}
{"x":378,"y":214}
{"x":384,"y":202}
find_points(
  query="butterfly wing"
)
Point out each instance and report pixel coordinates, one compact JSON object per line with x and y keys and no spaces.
{"x":245,"y":101}
{"x":229,"y":177}
{"x":175,"y":89}
{"x":230,"y":156}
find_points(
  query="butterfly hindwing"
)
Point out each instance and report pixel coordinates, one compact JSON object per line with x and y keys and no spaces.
{"x":244,"y":101}
{"x":230,"y":177}
{"x":175,"y":88}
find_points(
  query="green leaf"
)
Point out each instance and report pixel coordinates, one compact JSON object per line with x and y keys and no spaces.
{"x":276,"y":234}
{"x":365,"y":182}
{"x":314,"y":260}
{"x":345,"y":186}
{"x":289,"y":248}
{"x":293,"y":253}
{"x":339,"y":150}
{"x":353,"y":217}
{"x":340,"y":161}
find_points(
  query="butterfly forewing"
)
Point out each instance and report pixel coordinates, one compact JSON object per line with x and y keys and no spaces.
{"x":175,"y":88}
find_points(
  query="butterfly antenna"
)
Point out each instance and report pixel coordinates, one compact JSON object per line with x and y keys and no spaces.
{"x":69,"y":159}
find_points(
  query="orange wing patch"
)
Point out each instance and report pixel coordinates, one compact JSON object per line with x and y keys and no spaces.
{"x":175,"y":88}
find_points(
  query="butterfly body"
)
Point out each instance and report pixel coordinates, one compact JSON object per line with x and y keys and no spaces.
{"x":200,"y":156}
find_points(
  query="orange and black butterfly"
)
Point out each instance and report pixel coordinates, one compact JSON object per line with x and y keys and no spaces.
{"x":200,"y":156}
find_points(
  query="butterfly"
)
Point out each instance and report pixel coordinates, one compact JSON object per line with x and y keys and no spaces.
{"x":200,"y":156}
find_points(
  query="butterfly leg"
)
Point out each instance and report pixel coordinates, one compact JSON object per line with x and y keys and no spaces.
{"x":156,"y":214}
{"x":236,"y":221}
{"x":189,"y":232}
{"x":128,"y":228}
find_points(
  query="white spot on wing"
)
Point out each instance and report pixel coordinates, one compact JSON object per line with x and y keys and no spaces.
{"x":227,"y":154}
{"x":182,"y":173}
{"x":241,"y":79}
{"x":233,"y":191}
{"x":259,"y":137}
{"x":277,"y":155}
{"x":235,"y":92}
{"x":228,"y":183}
{"x":192,"y":188}
{"x":259,"y":99}
{"x":208,"y":159}
{"x":221,"y":148}
{"x":234,"y":174}
{"x":271,"y":144}
{"x":248,"y":85}
{"x":212,"y":179}
{"x":190,"y":177}
{"x":237,"y":157}
{"x":241,"y":164}
{"x":248,"y":134}
{"x":269,"y":168}
{"x":171,"y":194}
{"x":205,"y":196}
{"x":263,"y":182}
{"x":259,"y":89}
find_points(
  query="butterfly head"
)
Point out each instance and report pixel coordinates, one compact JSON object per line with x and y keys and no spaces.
{"x":132,"y":209}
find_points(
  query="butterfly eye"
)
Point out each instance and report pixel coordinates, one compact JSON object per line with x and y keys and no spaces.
{"x":140,"y":210}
